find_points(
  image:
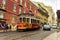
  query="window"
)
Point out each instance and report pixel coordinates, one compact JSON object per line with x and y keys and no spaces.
{"x":27,"y":20}
{"x":20,"y":10}
{"x":25,"y":4}
{"x":1,"y":15}
{"x":16,"y":0}
{"x":13,"y":19}
{"x":21,"y":2}
{"x":30,"y":10}
{"x":4,"y":2}
{"x":24,"y":11}
{"x":30,"y":7}
{"x":14,"y":6}
{"x":35,"y":11}
{"x":37,"y":21}
{"x":32,"y":21}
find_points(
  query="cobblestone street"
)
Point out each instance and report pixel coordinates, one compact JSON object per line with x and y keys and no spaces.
{"x":29,"y":35}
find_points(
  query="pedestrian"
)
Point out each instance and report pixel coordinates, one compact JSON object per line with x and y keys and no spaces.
{"x":0,"y":25}
{"x":9,"y":27}
{"x":6,"y":27}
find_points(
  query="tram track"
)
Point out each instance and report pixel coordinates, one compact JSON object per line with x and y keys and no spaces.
{"x":19,"y":36}
{"x":27,"y":35}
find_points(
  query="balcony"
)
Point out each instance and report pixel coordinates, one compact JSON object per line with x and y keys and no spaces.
{"x":2,"y":8}
{"x":43,"y":13}
{"x":26,"y":14}
{"x":14,"y":10}
{"x":20,"y":5}
{"x":30,"y":10}
{"x":2,"y":20}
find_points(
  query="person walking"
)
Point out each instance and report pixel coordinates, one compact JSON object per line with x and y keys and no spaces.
{"x":9,"y":27}
{"x":6,"y":27}
{"x":0,"y":25}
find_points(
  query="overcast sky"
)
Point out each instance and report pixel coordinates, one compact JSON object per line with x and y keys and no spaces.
{"x":54,"y":3}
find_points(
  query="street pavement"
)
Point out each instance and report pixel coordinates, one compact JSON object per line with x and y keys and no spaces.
{"x":58,"y":36}
{"x":28,"y":35}
{"x":53,"y":36}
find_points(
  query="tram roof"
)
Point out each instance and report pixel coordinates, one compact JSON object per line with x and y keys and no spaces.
{"x":32,"y":17}
{"x":29,"y":16}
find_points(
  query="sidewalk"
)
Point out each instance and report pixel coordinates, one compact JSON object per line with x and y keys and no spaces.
{"x":58,"y":37}
{"x":54,"y":36}
{"x":9,"y":30}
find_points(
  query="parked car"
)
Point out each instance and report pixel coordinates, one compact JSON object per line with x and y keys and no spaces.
{"x":46,"y":27}
{"x":54,"y":26}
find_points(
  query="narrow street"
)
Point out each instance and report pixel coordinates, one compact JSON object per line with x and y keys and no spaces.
{"x":29,"y":35}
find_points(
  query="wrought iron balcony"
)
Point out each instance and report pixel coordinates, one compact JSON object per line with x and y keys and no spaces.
{"x":2,"y":8}
{"x":2,"y":20}
{"x":43,"y":13}
{"x":26,"y":14}
{"x":21,"y":5}
{"x":30,"y":10}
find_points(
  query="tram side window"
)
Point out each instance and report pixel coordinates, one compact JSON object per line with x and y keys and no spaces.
{"x":38,"y":21}
{"x":24,"y":19}
{"x":33,"y":21}
{"x":20,"y":19}
{"x":27,"y":20}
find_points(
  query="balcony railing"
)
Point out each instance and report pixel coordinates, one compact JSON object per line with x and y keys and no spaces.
{"x":43,"y":13}
{"x":26,"y":14}
{"x":3,"y":8}
{"x":20,"y":5}
{"x":30,"y":10}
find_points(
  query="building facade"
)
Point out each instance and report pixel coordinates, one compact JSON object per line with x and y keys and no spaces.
{"x":10,"y":10}
{"x":51,"y":15}
{"x":51,"y":18}
{"x":58,"y":18}
{"x":42,"y":13}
